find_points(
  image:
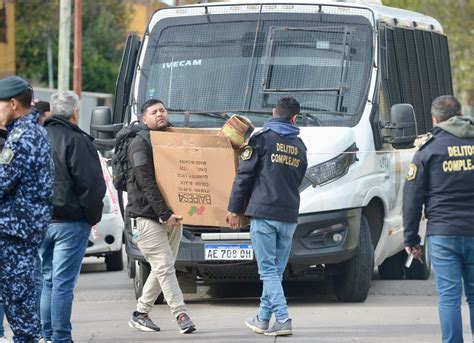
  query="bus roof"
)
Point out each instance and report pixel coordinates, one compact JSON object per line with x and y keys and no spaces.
{"x":390,"y":15}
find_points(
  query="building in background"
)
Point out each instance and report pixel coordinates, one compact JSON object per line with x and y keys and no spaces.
{"x":7,"y":38}
{"x":142,"y":11}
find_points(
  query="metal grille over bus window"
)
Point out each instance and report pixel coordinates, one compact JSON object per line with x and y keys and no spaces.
{"x":446,"y":65}
{"x":415,"y":80}
{"x":418,"y":70}
{"x":323,"y":60}
{"x":425,"y":79}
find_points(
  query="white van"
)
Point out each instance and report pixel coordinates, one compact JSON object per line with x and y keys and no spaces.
{"x":347,"y":64}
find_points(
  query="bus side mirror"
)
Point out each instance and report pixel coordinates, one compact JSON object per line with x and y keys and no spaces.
{"x":402,"y":126}
{"x":102,"y":129}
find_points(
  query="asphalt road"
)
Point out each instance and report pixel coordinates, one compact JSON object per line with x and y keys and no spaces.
{"x":395,"y":311}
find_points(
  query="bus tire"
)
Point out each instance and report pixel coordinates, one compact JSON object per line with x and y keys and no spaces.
{"x":393,"y":267}
{"x":114,"y":261}
{"x":353,"y":284}
{"x":142,"y":271}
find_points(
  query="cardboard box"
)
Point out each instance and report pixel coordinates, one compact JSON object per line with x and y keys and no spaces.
{"x":195,"y":170}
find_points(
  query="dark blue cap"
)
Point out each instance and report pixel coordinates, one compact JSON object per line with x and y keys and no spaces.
{"x":12,"y":86}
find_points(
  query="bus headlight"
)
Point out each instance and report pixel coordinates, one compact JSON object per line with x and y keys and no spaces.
{"x":331,"y":170}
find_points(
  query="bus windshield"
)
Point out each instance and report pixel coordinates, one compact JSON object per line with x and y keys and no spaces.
{"x":205,"y":70}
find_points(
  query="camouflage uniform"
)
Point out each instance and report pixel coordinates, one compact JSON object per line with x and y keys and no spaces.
{"x":26,"y":189}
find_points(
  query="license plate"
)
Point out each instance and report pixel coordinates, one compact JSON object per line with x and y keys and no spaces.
{"x":228,"y":252}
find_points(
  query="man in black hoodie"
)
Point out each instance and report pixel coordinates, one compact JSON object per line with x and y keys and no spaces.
{"x":157,"y":230}
{"x":441,"y":177}
{"x":77,"y":205}
{"x":270,"y":171}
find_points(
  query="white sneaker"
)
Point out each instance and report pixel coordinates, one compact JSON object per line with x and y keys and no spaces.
{"x":3,"y":339}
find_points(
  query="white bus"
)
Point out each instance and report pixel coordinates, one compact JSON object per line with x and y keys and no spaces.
{"x":347,"y":64}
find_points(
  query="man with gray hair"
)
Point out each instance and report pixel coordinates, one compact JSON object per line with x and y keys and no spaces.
{"x":77,"y":205}
{"x":441,"y":177}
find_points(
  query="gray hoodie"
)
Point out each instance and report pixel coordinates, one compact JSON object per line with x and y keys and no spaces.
{"x":462,"y":127}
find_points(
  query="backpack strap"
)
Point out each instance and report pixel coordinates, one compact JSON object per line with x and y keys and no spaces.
{"x":146,"y":137}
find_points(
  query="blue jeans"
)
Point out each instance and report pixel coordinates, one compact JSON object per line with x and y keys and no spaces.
{"x":452,"y":258}
{"x":271,"y":242}
{"x":61,"y":257}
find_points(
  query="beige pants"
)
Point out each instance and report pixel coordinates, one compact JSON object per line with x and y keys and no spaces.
{"x":159,"y":245}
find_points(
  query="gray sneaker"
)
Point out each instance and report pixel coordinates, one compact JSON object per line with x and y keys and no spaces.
{"x":185,"y":323}
{"x":142,"y":322}
{"x":257,"y":325}
{"x":279,"y":329}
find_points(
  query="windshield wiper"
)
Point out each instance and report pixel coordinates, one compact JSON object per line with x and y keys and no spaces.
{"x":318,"y":111}
{"x":249,"y":112}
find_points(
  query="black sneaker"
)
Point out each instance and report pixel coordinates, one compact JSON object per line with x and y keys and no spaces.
{"x":142,"y":322}
{"x":185,"y":323}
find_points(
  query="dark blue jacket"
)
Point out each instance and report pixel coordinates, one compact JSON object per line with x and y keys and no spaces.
{"x":270,"y":171}
{"x":26,"y":181}
{"x":441,"y":177}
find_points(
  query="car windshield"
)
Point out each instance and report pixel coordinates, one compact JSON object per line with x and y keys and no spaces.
{"x":205,"y":70}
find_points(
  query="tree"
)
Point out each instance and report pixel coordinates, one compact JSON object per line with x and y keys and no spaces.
{"x":455,"y":16}
{"x":104,"y":30}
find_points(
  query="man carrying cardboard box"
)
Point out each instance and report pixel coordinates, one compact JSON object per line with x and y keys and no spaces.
{"x":271,"y":169}
{"x":156,"y":229}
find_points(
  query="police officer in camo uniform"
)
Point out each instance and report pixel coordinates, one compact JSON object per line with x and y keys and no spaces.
{"x":26,"y":189}
{"x":3,"y":137}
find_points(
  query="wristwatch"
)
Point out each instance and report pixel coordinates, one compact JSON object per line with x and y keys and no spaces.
{"x":233,"y":214}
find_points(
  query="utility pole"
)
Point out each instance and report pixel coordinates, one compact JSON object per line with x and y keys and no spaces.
{"x":77,"y":80}
{"x":64,"y":44}
{"x":49,"y":54}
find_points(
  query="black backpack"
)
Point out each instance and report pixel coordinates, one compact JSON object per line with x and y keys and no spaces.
{"x":119,"y":160}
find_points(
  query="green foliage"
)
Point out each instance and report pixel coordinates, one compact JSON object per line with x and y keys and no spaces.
{"x":35,"y":22}
{"x":104,"y":28}
{"x":456,"y":17}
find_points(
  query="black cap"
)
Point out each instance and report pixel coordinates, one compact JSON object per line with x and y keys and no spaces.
{"x":12,"y":86}
{"x":41,"y":106}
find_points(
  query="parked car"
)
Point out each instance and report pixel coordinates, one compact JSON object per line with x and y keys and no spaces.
{"x":106,"y":237}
